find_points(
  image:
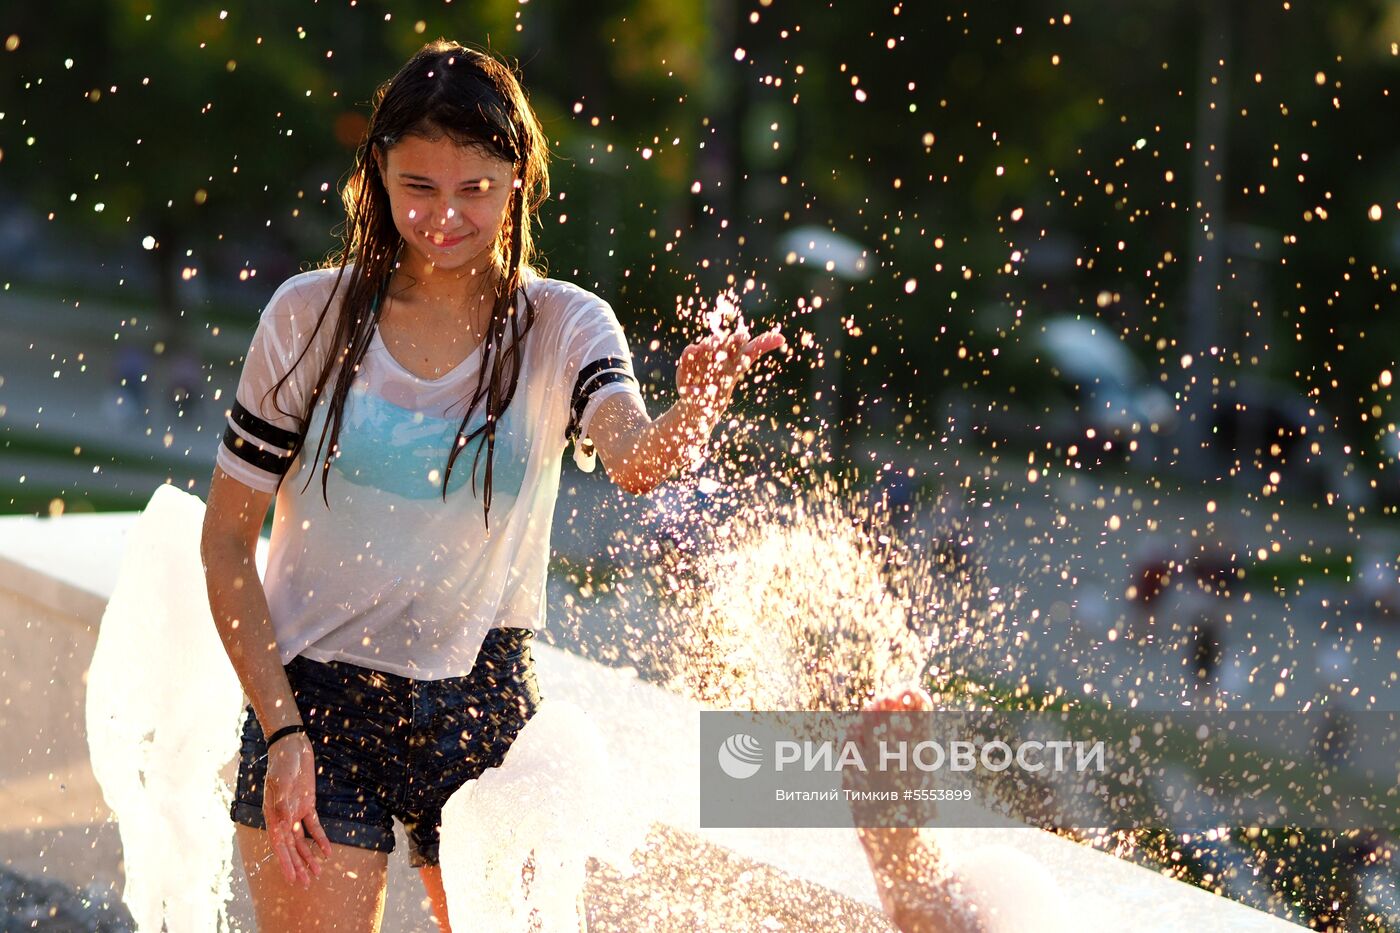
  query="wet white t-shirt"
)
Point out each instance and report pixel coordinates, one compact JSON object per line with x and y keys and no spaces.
{"x":390,"y":576}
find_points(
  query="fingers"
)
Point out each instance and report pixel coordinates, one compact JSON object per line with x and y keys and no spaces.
{"x":303,"y":850}
{"x":753,"y":350}
{"x":763,"y":343}
{"x":289,"y":843}
{"x":736,"y":349}
{"x":280,"y":836}
{"x":313,"y":825}
{"x":729,"y":351}
{"x":289,"y":807}
{"x":734,"y":360}
{"x":276,"y":837}
{"x":704,"y":371}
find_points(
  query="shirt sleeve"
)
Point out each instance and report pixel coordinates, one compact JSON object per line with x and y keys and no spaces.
{"x":598,"y":365}
{"x":263,"y":435}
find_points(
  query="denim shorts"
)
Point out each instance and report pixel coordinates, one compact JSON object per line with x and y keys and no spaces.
{"x":391,"y":747}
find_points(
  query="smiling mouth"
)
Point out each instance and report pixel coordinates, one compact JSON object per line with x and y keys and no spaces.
{"x":445,"y":241}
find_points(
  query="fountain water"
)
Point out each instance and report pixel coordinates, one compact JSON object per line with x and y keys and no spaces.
{"x":163,"y":709}
{"x":514,"y":841}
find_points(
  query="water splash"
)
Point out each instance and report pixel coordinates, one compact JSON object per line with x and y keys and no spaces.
{"x":515,"y":841}
{"x":809,"y":599}
{"x":163,"y":708}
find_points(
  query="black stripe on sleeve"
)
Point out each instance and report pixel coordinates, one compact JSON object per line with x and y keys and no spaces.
{"x":581,"y":402}
{"x":262,"y":430}
{"x":592,"y":369}
{"x":250,"y":453}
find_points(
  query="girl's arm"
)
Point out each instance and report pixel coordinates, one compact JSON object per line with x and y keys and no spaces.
{"x":638,"y":452}
{"x":233,"y":520}
{"x":228,"y":545}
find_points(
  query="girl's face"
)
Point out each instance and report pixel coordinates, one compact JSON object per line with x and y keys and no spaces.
{"x":449,"y":203}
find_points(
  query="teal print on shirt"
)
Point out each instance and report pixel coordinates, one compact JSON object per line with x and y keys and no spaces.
{"x":404,"y":452}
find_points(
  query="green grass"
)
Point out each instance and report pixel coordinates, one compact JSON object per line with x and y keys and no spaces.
{"x":133,"y":302}
{"x":1289,"y":570}
{"x":36,"y":499}
{"x":92,"y":454}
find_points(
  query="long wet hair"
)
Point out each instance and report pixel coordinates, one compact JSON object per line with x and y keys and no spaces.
{"x":444,"y":90}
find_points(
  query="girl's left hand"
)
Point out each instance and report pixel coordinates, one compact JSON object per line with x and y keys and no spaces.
{"x":711,"y":368}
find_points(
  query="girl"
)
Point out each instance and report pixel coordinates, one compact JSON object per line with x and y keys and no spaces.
{"x":387,"y":653}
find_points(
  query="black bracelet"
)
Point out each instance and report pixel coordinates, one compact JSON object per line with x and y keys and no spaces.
{"x":285,"y":731}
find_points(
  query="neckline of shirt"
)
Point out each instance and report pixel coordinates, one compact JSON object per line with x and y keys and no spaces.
{"x":465,"y":366}
{"x":532,"y":282}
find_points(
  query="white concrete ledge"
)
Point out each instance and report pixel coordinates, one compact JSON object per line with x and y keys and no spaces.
{"x":56,"y":574}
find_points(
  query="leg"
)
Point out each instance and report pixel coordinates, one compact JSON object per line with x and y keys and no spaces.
{"x":917,"y":891}
{"x":348,"y":897}
{"x":437,"y":895}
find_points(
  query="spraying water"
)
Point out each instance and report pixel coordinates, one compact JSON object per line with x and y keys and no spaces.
{"x":163,"y":708}
{"x":803,"y":600}
{"x":515,"y":841}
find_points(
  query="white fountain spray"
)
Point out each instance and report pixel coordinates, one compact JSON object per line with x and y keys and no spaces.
{"x":516,"y":840}
{"x":163,"y":707}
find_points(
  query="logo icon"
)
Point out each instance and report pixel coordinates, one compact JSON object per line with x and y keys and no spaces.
{"x":740,"y":756}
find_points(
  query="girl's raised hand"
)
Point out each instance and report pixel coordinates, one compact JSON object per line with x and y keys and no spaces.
{"x":713,"y":366}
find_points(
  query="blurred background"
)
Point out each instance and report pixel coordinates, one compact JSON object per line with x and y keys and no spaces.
{"x":1102,"y":294}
